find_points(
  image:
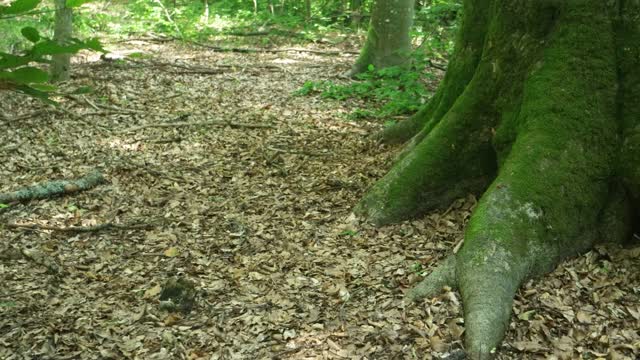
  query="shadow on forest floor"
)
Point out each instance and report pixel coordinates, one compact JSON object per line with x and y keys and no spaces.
{"x":248,"y":190}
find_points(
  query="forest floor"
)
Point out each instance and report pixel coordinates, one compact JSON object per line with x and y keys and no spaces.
{"x":247,"y":191}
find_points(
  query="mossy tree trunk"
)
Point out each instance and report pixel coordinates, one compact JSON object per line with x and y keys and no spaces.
{"x":539,"y":112}
{"x":388,"y":40}
{"x":61,"y":63}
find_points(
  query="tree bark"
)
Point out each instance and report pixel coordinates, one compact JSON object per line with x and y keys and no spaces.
{"x":388,"y":41}
{"x":307,"y":9}
{"x":355,"y":13}
{"x":539,"y":113}
{"x":61,"y":63}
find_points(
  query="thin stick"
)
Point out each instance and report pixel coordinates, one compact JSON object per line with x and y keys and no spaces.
{"x":251,"y":50}
{"x":80,"y":229}
{"x":8,"y":295}
{"x":199,"y":123}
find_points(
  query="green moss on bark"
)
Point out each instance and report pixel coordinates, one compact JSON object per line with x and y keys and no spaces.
{"x":460,"y":71}
{"x":553,"y":105}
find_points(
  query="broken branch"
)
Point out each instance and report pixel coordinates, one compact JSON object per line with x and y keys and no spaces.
{"x":80,"y":229}
{"x":200,"y":123}
{"x":254,"y":50}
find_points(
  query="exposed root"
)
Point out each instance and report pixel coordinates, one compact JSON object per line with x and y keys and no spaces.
{"x":443,"y":275}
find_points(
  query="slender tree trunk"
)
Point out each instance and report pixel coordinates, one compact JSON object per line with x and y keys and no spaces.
{"x":61,"y":63}
{"x":355,"y":13}
{"x":307,"y":9}
{"x":206,"y":11}
{"x":388,"y":41}
{"x":539,"y":113}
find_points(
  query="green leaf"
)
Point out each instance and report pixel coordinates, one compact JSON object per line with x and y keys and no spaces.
{"x":19,"y":6}
{"x":44,"y":87}
{"x":370,"y":67}
{"x":50,"y":47}
{"x":30,"y":33}
{"x":2,"y":206}
{"x":94,"y":44}
{"x":76,"y":3}
{"x":82,"y":90}
{"x":9,"y":61}
{"x":25,"y":75}
{"x":28,"y":90}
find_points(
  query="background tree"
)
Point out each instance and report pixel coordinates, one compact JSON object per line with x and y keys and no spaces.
{"x":388,"y":40}
{"x":538,"y":112}
{"x":61,"y":63}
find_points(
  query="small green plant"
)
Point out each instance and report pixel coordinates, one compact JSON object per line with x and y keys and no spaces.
{"x":349,"y":233}
{"x":8,"y":304}
{"x":389,"y":92}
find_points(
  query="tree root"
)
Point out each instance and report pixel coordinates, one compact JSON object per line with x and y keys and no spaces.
{"x":443,"y":275}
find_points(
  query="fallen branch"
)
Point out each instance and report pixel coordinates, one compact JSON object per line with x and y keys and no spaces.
{"x":437,"y":66}
{"x":97,"y":106}
{"x":12,"y":147}
{"x":200,"y":123}
{"x":80,"y":229}
{"x":18,"y":292}
{"x":288,"y":151}
{"x":254,"y":50}
{"x":54,"y":188}
{"x":22,"y":116}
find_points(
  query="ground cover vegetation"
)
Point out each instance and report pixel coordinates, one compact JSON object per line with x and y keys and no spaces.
{"x":179,"y":179}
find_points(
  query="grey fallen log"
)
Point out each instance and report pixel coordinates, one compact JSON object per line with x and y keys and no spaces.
{"x":54,"y":188}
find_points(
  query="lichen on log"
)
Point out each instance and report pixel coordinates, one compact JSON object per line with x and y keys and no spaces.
{"x":54,"y":188}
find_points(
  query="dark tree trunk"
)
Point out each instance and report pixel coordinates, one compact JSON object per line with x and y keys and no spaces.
{"x":540,"y":113}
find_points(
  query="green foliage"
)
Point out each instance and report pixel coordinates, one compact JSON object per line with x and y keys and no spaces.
{"x":19,"y":7}
{"x":389,"y":92}
{"x":76,"y":3}
{"x":20,"y":72}
{"x":30,"y":33}
{"x":437,"y":23}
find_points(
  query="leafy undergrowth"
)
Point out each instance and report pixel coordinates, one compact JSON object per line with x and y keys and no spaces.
{"x":257,"y":219}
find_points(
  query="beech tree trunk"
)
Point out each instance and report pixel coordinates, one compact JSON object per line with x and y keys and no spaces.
{"x":539,"y":113}
{"x":388,"y":41}
{"x":61,"y":63}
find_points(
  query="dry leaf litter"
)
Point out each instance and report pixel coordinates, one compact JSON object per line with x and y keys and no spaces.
{"x":247,"y":190}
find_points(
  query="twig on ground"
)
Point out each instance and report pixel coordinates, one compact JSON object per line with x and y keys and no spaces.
{"x":200,"y":123}
{"x":254,"y":50}
{"x":80,"y":229}
{"x":90,"y":103}
{"x":17,"y":292}
{"x":307,"y":153}
{"x":23,"y":116}
{"x":12,"y":147}
{"x":54,"y":188}
{"x":98,"y":106}
{"x":219,"y":69}
{"x":437,"y":66}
